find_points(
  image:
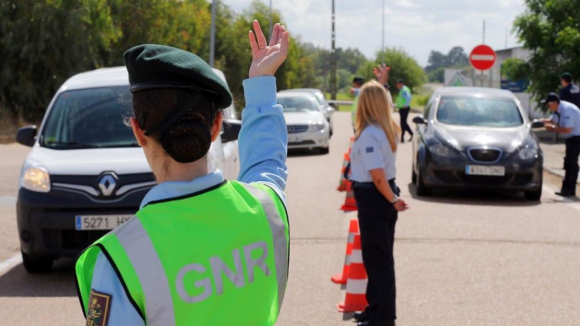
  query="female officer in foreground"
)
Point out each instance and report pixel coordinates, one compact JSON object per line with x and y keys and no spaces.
{"x":373,"y":174}
{"x":201,"y":250}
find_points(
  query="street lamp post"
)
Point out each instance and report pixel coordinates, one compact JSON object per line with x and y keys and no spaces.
{"x":212,"y":34}
{"x":332,"y":60}
{"x":383,"y":37}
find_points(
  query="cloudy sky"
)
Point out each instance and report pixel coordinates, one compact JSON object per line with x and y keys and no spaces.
{"x":418,"y":26}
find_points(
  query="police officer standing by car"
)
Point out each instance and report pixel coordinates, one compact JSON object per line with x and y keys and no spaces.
{"x":201,"y":250}
{"x":376,"y":193}
{"x":569,"y":92}
{"x":565,"y":120}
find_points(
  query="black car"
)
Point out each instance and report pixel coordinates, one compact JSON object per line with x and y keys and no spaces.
{"x":476,"y":138}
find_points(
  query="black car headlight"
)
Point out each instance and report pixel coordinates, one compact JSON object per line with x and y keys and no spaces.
{"x":441,"y":150}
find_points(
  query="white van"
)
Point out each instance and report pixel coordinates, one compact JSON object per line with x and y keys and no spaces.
{"x":85,"y":173}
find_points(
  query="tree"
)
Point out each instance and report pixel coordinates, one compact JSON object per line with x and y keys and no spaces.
{"x":551,"y":31}
{"x":403,"y":66}
{"x":40,"y":48}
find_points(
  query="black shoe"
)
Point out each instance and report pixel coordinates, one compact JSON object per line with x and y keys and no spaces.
{"x":410,"y":139}
{"x":366,"y":323}
{"x":361,"y":316}
{"x":564,"y":193}
{"x":402,"y":140}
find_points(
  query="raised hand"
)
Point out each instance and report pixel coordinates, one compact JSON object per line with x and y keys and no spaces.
{"x":266,"y":59}
{"x":382,"y":73}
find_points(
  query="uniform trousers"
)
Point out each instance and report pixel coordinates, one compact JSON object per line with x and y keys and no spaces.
{"x":571,"y":164}
{"x":404,"y":114}
{"x":377,"y":218}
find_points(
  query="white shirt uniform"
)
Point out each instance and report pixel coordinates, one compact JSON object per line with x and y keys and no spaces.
{"x":370,"y":151}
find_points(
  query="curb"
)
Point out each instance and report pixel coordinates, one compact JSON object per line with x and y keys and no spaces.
{"x":558,"y":174}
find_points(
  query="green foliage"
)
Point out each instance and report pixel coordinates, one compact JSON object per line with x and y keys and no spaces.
{"x":45,"y":42}
{"x":550,"y":29}
{"x":437,"y":75}
{"x":515,"y":68}
{"x":455,"y":58}
{"x":403,"y":66}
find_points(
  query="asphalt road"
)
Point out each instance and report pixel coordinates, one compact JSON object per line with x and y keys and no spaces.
{"x":462,"y":258}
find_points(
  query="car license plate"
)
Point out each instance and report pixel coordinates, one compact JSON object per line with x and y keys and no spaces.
{"x":294,"y":139}
{"x":99,"y":222}
{"x":485,"y":170}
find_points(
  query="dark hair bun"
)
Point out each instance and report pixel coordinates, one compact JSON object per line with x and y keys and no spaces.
{"x":187,"y":140}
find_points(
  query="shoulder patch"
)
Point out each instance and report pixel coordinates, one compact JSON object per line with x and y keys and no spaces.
{"x":369,"y":149}
{"x":99,"y":308}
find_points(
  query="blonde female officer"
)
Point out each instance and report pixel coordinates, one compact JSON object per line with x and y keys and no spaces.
{"x":201,"y":250}
{"x":373,"y":173}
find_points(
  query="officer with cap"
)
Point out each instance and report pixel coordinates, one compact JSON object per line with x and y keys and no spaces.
{"x":357,"y":83}
{"x":201,"y":250}
{"x":569,"y":92}
{"x":565,"y":120}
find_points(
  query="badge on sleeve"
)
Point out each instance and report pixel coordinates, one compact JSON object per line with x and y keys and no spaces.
{"x":99,"y":308}
{"x":370,"y":149}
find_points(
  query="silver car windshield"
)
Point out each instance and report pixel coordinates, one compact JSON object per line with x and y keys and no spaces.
{"x":298,"y":104}
{"x":480,"y":112}
{"x":90,"y":118}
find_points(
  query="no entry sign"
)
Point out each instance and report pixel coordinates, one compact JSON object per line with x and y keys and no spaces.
{"x":482,"y":57}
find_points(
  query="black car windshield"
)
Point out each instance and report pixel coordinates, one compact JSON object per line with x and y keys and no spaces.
{"x":479,"y":112}
{"x":90,"y":118}
{"x":298,"y":104}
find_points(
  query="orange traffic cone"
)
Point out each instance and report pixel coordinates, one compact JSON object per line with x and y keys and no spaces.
{"x":349,"y":202}
{"x":344,"y":183}
{"x":356,"y":285}
{"x":341,"y":278}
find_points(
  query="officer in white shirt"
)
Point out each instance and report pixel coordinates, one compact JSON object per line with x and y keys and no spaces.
{"x":565,"y":120}
{"x":373,"y":174}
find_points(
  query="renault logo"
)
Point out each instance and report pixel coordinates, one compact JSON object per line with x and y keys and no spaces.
{"x":107,"y":184}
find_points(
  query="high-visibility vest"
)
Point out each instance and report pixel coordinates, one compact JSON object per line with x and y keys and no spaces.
{"x":400,"y":99}
{"x":213,"y":258}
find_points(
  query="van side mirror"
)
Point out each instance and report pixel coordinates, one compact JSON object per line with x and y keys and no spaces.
{"x":26,"y":135}
{"x":231,"y":130}
{"x":419,"y":120}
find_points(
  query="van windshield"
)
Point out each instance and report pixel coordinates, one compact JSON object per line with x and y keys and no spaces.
{"x":90,"y":118}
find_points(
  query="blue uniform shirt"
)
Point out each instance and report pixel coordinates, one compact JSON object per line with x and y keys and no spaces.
{"x":262,"y":146}
{"x":372,"y":151}
{"x":568,"y":117}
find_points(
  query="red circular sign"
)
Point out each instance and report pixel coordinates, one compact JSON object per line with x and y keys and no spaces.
{"x":482,"y":57}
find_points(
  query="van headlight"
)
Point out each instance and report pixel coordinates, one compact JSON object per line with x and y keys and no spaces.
{"x":34,"y":177}
{"x":317,"y":126}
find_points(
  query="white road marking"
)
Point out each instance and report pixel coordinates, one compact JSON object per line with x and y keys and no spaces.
{"x":10,"y":263}
{"x":569,"y":202}
{"x":483,"y":57}
{"x":7,"y":201}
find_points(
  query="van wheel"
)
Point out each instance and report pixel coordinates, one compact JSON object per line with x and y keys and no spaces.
{"x":422,"y":190}
{"x":36,"y":265}
{"x":413,"y":176}
{"x":324,"y":150}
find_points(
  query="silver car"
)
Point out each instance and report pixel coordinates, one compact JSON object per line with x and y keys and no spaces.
{"x":324,"y":106}
{"x":307,"y":125}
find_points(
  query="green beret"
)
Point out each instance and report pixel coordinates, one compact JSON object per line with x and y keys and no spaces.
{"x":159,"y":66}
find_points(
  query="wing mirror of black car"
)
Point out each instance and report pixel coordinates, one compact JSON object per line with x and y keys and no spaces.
{"x":26,"y":135}
{"x":231,"y":130}
{"x":537,"y":124}
{"x":419,"y":120}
